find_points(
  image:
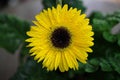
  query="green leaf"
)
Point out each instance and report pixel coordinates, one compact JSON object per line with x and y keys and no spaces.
{"x":90,"y":68}
{"x":118,"y":40}
{"x":109,"y":37}
{"x":31,"y":70}
{"x":12,"y":32}
{"x":114,"y":61}
{"x":71,"y":3}
{"x":92,"y":65}
{"x":49,"y":3}
{"x":94,"y":62}
{"x":75,"y":4}
{"x":96,"y":15}
{"x":105,"y":65}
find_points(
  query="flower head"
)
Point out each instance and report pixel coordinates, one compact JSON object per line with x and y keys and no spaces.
{"x":60,"y":38}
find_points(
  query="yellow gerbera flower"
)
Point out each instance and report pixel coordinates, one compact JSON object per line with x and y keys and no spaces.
{"x":60,"y":38}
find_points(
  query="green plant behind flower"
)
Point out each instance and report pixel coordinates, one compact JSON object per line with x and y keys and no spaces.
{"x":103,"y":63}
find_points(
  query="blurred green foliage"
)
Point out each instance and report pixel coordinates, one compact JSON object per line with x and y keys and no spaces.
{"x":103,"y":63}
{"x":12,"y":32}
{"x":71,"y":3}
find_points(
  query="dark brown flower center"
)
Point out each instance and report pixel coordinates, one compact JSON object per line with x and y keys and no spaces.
{"x":60,"y":37}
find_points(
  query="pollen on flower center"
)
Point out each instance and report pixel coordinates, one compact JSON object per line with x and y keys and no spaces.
{"x":60,"y":37}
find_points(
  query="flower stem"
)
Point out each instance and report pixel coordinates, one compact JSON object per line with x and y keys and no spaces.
{"x":59,"y":2}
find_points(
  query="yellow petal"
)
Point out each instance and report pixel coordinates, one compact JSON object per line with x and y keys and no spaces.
{"x":49,"y":58}
{"x":68,"y":59}
{"x":52,"y":65}
{"x":61,"y":66}
{"x":73,"y":59}
{"x":65,"y":65}
{"x":57,"y":60}
{"x":40,"y":54}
